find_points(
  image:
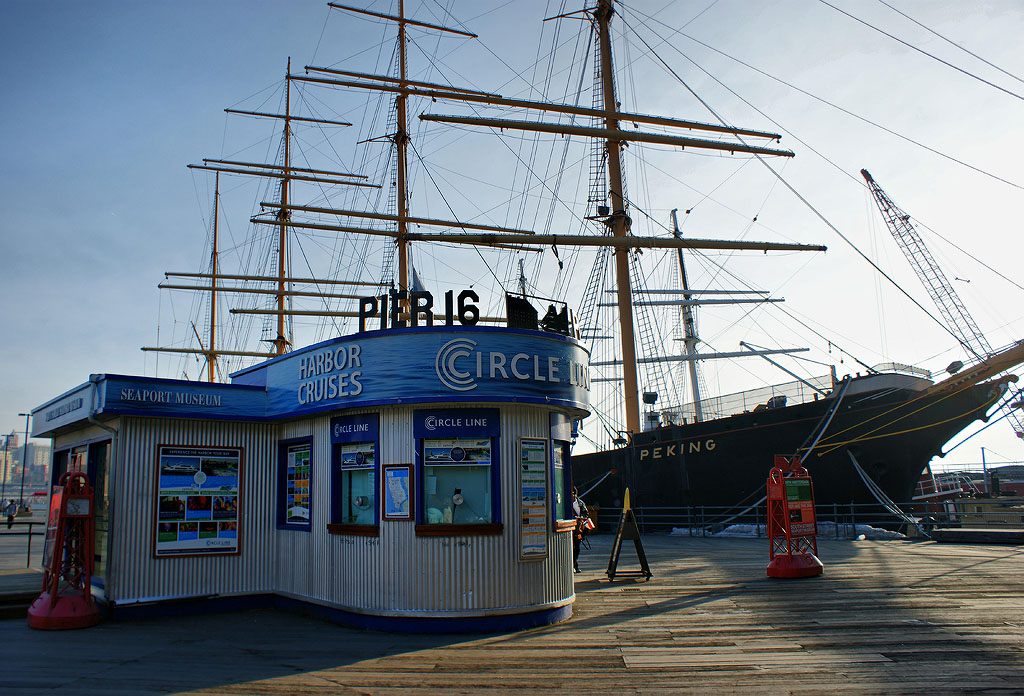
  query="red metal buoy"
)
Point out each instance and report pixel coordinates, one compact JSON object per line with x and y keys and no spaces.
{"x":66,"y":599}
{"x":792,"y":529}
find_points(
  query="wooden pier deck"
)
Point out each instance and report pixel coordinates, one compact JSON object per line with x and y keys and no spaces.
{"x":887,"y":617}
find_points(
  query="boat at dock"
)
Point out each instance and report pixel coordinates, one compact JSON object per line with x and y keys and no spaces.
{"x":883,"y":428}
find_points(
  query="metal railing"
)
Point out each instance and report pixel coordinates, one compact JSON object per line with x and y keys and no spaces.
{"x":834,"y":520}
{"x":9,"y":547}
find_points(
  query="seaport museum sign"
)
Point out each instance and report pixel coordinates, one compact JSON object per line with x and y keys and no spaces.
{"x":168,"y":396}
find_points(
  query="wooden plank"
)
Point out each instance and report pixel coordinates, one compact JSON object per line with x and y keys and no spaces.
{"x":889,"y":616}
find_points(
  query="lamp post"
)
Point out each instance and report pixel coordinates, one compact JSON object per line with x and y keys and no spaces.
{"x":24,"y":463}
{"x":3,"y":482}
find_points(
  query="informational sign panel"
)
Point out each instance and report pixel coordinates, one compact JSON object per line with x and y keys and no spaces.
{"x":56,"y":495}
{"x":298,"y":473}
{"x":533,"y":499}
{"x":397,"y":493}
{"x":800,"y":507}
{"x":197,"y":501}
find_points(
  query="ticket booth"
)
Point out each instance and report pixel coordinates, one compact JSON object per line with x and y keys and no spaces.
{"x":411,"y":480}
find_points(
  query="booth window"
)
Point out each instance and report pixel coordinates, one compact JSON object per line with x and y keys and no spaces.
{"x":358,"y":499}
{"x":354,"y":476}
{"x":99,"y":479}
{"x":294,"y":508}
{"x":561,"y":500}
{"x":457,"y":484}
{"x":457,"y":471}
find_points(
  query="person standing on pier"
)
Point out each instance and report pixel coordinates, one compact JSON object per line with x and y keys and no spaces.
{"x":579,"y":509}
{"x":11,"y":510}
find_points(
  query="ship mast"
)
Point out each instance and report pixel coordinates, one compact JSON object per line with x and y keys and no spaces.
{"x":211,"y":358}
{"x":401,"y":145}
{"x":401,"y":138}
{"x":689,"y":328}
{"x":280,"y":342}
{"x":619,"y":221}
{"x":460,"y":232}
{"x":286,"y":174}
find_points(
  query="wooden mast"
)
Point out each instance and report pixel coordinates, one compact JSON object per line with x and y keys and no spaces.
{"x":281,"y":280}
{"x":689,"y":327}
{"x":620,"y":223}
{"x":401,"y":137}
{"x":401,"y":144}
{"x":280,"y":342}
{"x":211,"y":358}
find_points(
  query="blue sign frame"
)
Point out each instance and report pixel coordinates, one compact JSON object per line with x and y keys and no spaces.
{"x":360,"y":427}
{"x":283,"y":449}
{"x":458,"y":423}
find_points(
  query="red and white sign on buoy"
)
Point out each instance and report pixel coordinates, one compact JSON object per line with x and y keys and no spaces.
{"x":792,"y":529}
{"x":66,"y":600}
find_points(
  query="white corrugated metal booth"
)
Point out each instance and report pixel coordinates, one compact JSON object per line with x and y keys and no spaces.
{"x":411,"y":480}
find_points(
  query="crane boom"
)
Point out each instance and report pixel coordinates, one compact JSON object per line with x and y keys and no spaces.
{"x":952,"y":308}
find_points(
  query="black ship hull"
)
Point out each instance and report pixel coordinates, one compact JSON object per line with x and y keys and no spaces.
{"x":724,"y":463}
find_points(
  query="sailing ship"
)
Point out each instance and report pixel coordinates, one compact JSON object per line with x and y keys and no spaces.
{"x":864,"y":433}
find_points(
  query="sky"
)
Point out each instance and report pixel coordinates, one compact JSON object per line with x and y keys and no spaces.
{"x":106,"y":102}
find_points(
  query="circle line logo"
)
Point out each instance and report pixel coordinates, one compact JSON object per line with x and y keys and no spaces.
{"x":444,"y":364}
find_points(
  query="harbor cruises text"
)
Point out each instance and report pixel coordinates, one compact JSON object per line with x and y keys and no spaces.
{"x":343,"y":360}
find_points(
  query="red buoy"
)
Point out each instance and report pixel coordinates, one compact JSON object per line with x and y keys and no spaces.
{"x":66,"y":599}
{"x":792,"y":528}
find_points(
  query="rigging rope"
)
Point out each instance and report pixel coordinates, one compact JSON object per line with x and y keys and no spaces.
{"x":869,"y":435}
{"x":921,"y":51}
{"x":951,"y":42}
{"x":826,"y":420}
{"x":883,"y":499}
{"x":819,"y":99}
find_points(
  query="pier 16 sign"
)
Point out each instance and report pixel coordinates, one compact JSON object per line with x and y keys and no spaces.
{"x":438,"y":364}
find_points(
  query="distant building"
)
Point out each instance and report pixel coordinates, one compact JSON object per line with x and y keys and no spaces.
{"x":8,"y":446}
{"x":37,"y":474}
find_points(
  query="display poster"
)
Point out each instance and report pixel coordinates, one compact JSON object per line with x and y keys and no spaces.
{"x":197,"y":501}
{"x":358,"y":455}
{"x":397,"y":500}
{"x":56,"y":495}
{"x":800,"y":506}
{"x":463,"y":451}
{"x":533,"y":499}
{"x":558,"y":456}
{"x":297,"y":492}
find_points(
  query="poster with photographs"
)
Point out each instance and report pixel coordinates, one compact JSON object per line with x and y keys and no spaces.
{"x":297,"y":504}
{"x":457,"y":451}
{"x":533,"y":499}
{"x":197,"y":501}
{"x":357,"y":455}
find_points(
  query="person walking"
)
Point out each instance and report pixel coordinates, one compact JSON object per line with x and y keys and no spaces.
{"x":11,"y":510}
{"x":579,"y":509}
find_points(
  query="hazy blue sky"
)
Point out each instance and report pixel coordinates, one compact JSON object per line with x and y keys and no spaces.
{"x":106,"y":102}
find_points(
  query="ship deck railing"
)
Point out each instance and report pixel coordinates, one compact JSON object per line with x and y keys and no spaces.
{"x":789,"y":393}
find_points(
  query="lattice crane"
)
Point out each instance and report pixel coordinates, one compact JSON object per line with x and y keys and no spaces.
{"x":952,"y":308}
